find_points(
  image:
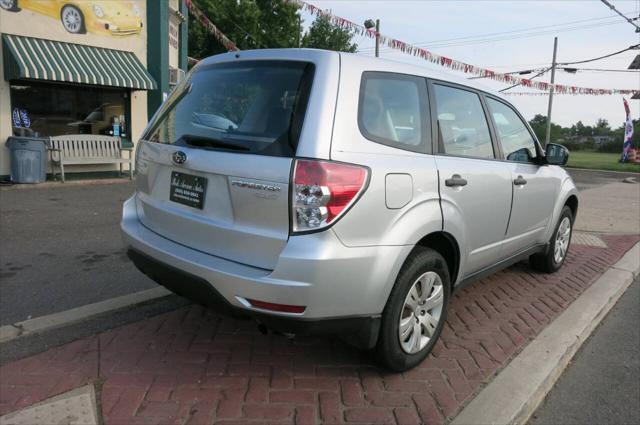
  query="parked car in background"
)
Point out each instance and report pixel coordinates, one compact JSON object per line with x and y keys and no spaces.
{"x":79,"y":16}
{"x":318,"y":191}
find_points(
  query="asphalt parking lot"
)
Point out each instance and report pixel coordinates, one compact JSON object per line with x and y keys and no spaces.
{"x":60,"y":248}
{"x":601,"y":386}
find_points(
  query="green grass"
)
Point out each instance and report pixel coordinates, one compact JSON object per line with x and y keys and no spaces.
{"x":600,"y":161}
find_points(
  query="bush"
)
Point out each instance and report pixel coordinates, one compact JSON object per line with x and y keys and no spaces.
{"x":611,"y":147}
{"x":576,"y":146}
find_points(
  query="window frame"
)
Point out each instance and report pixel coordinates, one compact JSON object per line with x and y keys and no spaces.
{"x":536,"y":142}
{"x":432,"y":82}
{"x":425,"y":146}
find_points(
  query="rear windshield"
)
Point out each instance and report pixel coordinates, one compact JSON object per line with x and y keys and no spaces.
{"x":252,"y":107}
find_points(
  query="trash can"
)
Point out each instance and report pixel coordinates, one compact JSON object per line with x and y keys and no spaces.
{"x":28,"y":159}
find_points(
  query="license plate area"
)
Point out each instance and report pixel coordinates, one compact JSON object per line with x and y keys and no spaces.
{"x":187,"y":189}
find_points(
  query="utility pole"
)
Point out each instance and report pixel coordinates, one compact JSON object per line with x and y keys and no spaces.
{"x":553,"y":79}
{"x":377,"y":37}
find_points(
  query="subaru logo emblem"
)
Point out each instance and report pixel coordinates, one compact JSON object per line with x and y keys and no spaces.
{"x":179,"y":157}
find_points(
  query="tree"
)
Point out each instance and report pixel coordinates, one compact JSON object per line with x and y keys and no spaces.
{"x":251,"y":24}
{"x":539,"y":126}
{"x":602,"y":127}
{"x":259,"y":24}
{"x":324,"y":35}
{"x":578,"y":129}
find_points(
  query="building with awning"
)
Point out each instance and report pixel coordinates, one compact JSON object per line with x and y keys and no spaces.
{"x":28,"y":58}
{"x":90,"y":68}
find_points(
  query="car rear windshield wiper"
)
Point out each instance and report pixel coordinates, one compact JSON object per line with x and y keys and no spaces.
{"x":208,"y":142}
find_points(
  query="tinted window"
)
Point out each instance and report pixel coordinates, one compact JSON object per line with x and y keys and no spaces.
{"x":253,"y":107}
{"x":392,"y":110}
{"x":515,"y":139}
{"x":462,"y":124}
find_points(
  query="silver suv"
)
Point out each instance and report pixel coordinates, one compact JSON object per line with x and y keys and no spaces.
{"x":321,"y":192}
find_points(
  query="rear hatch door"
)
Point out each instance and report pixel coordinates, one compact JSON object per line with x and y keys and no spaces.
{"x":214,"y":163}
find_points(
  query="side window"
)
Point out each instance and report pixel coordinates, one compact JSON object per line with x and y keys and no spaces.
{"x":462,"y":124}
{"x":392,"y":110}
{"x":515,"y":139}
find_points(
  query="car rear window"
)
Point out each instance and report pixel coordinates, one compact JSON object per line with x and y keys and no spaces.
{"x":252,"y":107}
{"x":393,"y":110}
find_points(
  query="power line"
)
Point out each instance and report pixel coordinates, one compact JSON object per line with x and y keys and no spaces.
{"x":599,"y":70}
{"x":419,"y":43}
{"x":538,"y":64}
{"x":523,"y":72}
{"x":566,"y":69}
{"x":524,"y":31}
{"x":636,"y":46}
{"x":613,"y":8}
{"x":516,"y":85}
{"x":513,"y":37}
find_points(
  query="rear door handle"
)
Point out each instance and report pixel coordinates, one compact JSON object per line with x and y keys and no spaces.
{"x":455,"y":180}
{"x":520,"y":181}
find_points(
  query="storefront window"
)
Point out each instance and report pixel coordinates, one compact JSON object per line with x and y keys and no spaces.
{"x":52,"y":110}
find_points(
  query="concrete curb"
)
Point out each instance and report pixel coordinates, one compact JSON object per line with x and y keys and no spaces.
{"x":63,"y":318}
{"x":51,"y":184}
{"x":604,"y":171}
{"x":517,"y":391}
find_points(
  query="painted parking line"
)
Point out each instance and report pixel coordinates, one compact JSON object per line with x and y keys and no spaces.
{"x":74,"y":315}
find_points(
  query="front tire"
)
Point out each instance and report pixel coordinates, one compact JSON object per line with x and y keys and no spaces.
{"x":552,"y":260}
{"x":72,"y":19}
{"x":415,"y":311}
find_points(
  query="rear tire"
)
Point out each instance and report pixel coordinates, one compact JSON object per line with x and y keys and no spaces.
{"x":552,"y":260}
{"x":415,"y":312}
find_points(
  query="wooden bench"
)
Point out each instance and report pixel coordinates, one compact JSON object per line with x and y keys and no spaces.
{"x":89,"y":149}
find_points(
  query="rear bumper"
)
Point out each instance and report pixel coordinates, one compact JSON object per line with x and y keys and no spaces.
{"x":363,"y":330}
{"x":343,"y":289}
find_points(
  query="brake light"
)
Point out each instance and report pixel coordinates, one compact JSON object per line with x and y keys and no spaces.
{"x":322,"y":191}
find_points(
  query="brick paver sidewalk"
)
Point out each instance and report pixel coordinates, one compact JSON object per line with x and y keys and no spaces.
{"x":192,"y":366}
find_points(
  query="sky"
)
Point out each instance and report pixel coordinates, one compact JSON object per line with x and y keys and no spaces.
{"x":585,"y":29}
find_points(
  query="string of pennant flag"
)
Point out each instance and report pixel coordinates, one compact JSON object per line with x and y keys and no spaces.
{"x":452,"y":63}
{"x":414,"y":51}
{"x":199,"y":15}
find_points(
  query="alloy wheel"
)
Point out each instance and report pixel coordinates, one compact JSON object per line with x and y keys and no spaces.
{"x":562,"y":240}
{"x":421,"y":312}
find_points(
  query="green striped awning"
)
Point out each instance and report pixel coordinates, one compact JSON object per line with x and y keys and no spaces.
{"x":39,"y":59}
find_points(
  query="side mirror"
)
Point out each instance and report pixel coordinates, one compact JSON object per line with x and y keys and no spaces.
{"x":556,"y":154}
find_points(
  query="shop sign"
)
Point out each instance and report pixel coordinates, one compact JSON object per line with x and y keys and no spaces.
{"x":173,"y":35}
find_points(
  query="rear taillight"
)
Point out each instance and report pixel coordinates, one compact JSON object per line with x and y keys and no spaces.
{"x":322,"y":191}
